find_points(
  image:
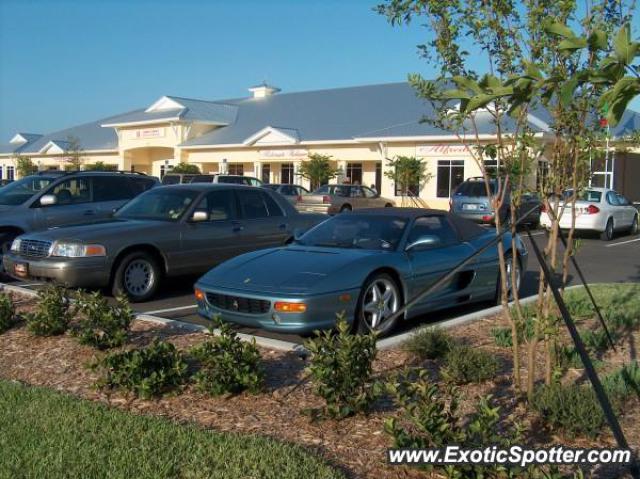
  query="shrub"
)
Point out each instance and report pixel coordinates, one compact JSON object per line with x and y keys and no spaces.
{"x":147,"y":372}
{"x":572,"y":408}
{"x":429,"y":343}
{"x":526,"y":331}
{"x":7,"y":313}
{"x":104,"y":326}
{"x":228,"y":364}
{"x":53,"y":312}
{"x":430,"y":418}
{"x":340,"y":369}
{"x":464,"y":364}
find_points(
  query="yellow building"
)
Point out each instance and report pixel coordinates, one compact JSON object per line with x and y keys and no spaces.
{"x":269,"y":134}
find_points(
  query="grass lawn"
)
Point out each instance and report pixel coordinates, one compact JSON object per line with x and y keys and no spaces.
{"x":48,"y":434}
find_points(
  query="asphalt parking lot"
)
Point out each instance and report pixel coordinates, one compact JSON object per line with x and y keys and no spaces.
{"x":617,"y":261}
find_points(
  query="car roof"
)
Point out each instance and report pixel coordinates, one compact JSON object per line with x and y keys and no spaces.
{"x":206,"y":186}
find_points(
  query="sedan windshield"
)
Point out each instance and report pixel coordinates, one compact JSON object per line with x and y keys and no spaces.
{"x":20,"y":191}
{"x":160,"y":204}
{"x":357,"y":231}
{"x":585,"y":195}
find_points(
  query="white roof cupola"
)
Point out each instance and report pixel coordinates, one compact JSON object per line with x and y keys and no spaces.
{"x":263,"y":90}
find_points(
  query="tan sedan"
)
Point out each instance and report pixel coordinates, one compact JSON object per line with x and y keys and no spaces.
{"x":332,"y":199}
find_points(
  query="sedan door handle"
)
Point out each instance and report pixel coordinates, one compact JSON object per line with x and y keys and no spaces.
{"x":237,"y":227}
{"x":89,"y":212}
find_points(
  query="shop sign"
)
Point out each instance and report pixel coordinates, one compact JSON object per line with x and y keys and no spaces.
{"x":441,"y":150}
{"x":275,"y":154}
{"x":149,"y":133}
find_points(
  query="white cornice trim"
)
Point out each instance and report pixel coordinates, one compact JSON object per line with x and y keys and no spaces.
{"x":141,"y":122}
{"x":165,"y":103}
{"x":290,"y":134}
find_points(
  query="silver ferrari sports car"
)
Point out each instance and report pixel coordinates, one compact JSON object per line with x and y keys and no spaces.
{"x":364,"y":264}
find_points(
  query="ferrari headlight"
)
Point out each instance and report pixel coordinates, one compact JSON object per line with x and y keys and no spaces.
{"x":77,"y":250}
{"x":15,"y":246}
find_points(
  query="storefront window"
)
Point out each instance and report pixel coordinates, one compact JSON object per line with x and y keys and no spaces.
{"x":378,"y":177}
{"x":354,"y":173}
{"x":266,"y":173}
{"x":236,"y":169}
{"x":491,"y":167}
{"x":286,"y":172}
{"x":450,"y":175}
{"x":10,"y":173}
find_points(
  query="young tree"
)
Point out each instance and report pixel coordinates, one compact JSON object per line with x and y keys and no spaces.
{"x":409,"y":174}
{"x":73,"y":154}
{"x":25,"y":166}
{"x":318,"y":170}
{"x":186,"y":168}
{"x":533,"y":61}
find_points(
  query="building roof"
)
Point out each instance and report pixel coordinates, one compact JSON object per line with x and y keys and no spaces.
{"x":361,"y":113}
{"x":173,"y":108}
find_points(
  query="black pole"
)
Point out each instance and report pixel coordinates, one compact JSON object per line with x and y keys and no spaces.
{"x":601,"y":394}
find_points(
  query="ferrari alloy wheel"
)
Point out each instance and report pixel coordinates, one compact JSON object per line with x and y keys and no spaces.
{"x":379,"y":301}
{"x":634,"y":226}
{"x":511,"y":268}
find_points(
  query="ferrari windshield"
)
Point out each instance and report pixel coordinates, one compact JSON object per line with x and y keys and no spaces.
{"x":160,"y":204}
{"x":357,"y":231}
{"x":18,"y":192}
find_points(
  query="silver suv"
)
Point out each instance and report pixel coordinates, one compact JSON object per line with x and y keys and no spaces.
{"x":56,"y":198}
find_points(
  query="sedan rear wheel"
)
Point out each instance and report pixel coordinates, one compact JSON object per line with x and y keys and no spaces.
{"x":379,"y":300}
{"x":607,"y":234}
{"x":345,"y":208}
{"x":137,"y":276}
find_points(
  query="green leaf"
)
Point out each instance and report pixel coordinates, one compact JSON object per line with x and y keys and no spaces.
{"x":623,"y":46}
{"x":567,"y":91}
{"x":559,"y":29}
{"x":597,"y":40}
{"x":454,"y":95}
{"x":479,"y":101}
{"x":575,"y":43}
{"x":468,"y":83}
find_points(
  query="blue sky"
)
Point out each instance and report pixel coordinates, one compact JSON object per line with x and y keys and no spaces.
{"x":65,"y":62}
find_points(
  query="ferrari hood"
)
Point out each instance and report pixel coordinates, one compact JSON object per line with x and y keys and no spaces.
{"x":291,"y":270}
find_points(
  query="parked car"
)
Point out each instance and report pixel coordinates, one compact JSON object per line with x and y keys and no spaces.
{"x":180,"y":178}
{"x":334,"y":199}
{"x":55,"y":198}
{"x":470,"y":201}
{"x":367,"y":264}
{"x":596,"y":209}
{"x":293,"y":193}
{"x":167,"y":231}
{"x":5,"y":182}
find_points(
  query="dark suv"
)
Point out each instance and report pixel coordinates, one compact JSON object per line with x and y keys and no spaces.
{"x":470,"y":201}
{"x":56,"y":198}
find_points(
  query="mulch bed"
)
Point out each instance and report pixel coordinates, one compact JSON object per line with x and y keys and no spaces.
{"x":357,"y":445}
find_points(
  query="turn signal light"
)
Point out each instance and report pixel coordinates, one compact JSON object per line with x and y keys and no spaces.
{"x":487,"y":218}
{"x":543,"y":208}
{"x":592,"y":210}
{"x":326,"y":199}
{"x":199,"y":294}
{"x":284,"y":307}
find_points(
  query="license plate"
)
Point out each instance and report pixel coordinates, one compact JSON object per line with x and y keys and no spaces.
{"x":21,"y":269}
{"x":469,"y":206}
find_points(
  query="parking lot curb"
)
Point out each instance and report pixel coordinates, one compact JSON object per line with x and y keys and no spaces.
{"x":18,"y":289}
{"x":396,"y":341}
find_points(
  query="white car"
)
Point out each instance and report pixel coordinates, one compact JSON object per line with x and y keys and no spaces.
{"x":597,"y":209}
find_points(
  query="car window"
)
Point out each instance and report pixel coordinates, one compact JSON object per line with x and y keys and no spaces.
{"x":622,"y":200}
{"x":368,"y":193}
{"x":356,"y":192}
{"x":302,"y":190}
{"x":253,"y":181}
{"x":475,"y":188}
{"x":323,"y":190}
{"x":202,"y":179}
{"x":288,"y":190}
{"x":219,"y":205}
{"x":21,"y":190}
{"x":236,"y":180}
{"x":253,"y":204}
{"x":163,"y":204}
{"x":272,"y":206}
{"x":111,"y":188}
{"x":72,"y":191}
{"x":436,"y":225}
{"x":612,"y":198}
{"x":587,"y":195}
{"x":141,"y":184}
{"x":171,"y":179}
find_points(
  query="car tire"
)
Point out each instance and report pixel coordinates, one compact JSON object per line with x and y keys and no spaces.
{"x":508,"y":258}
{"x":634,"y":226}
{"x":380,"y":285}
{"x":607,"y":234}
{"x":345,"y":208}
{"x":137,"y":276}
